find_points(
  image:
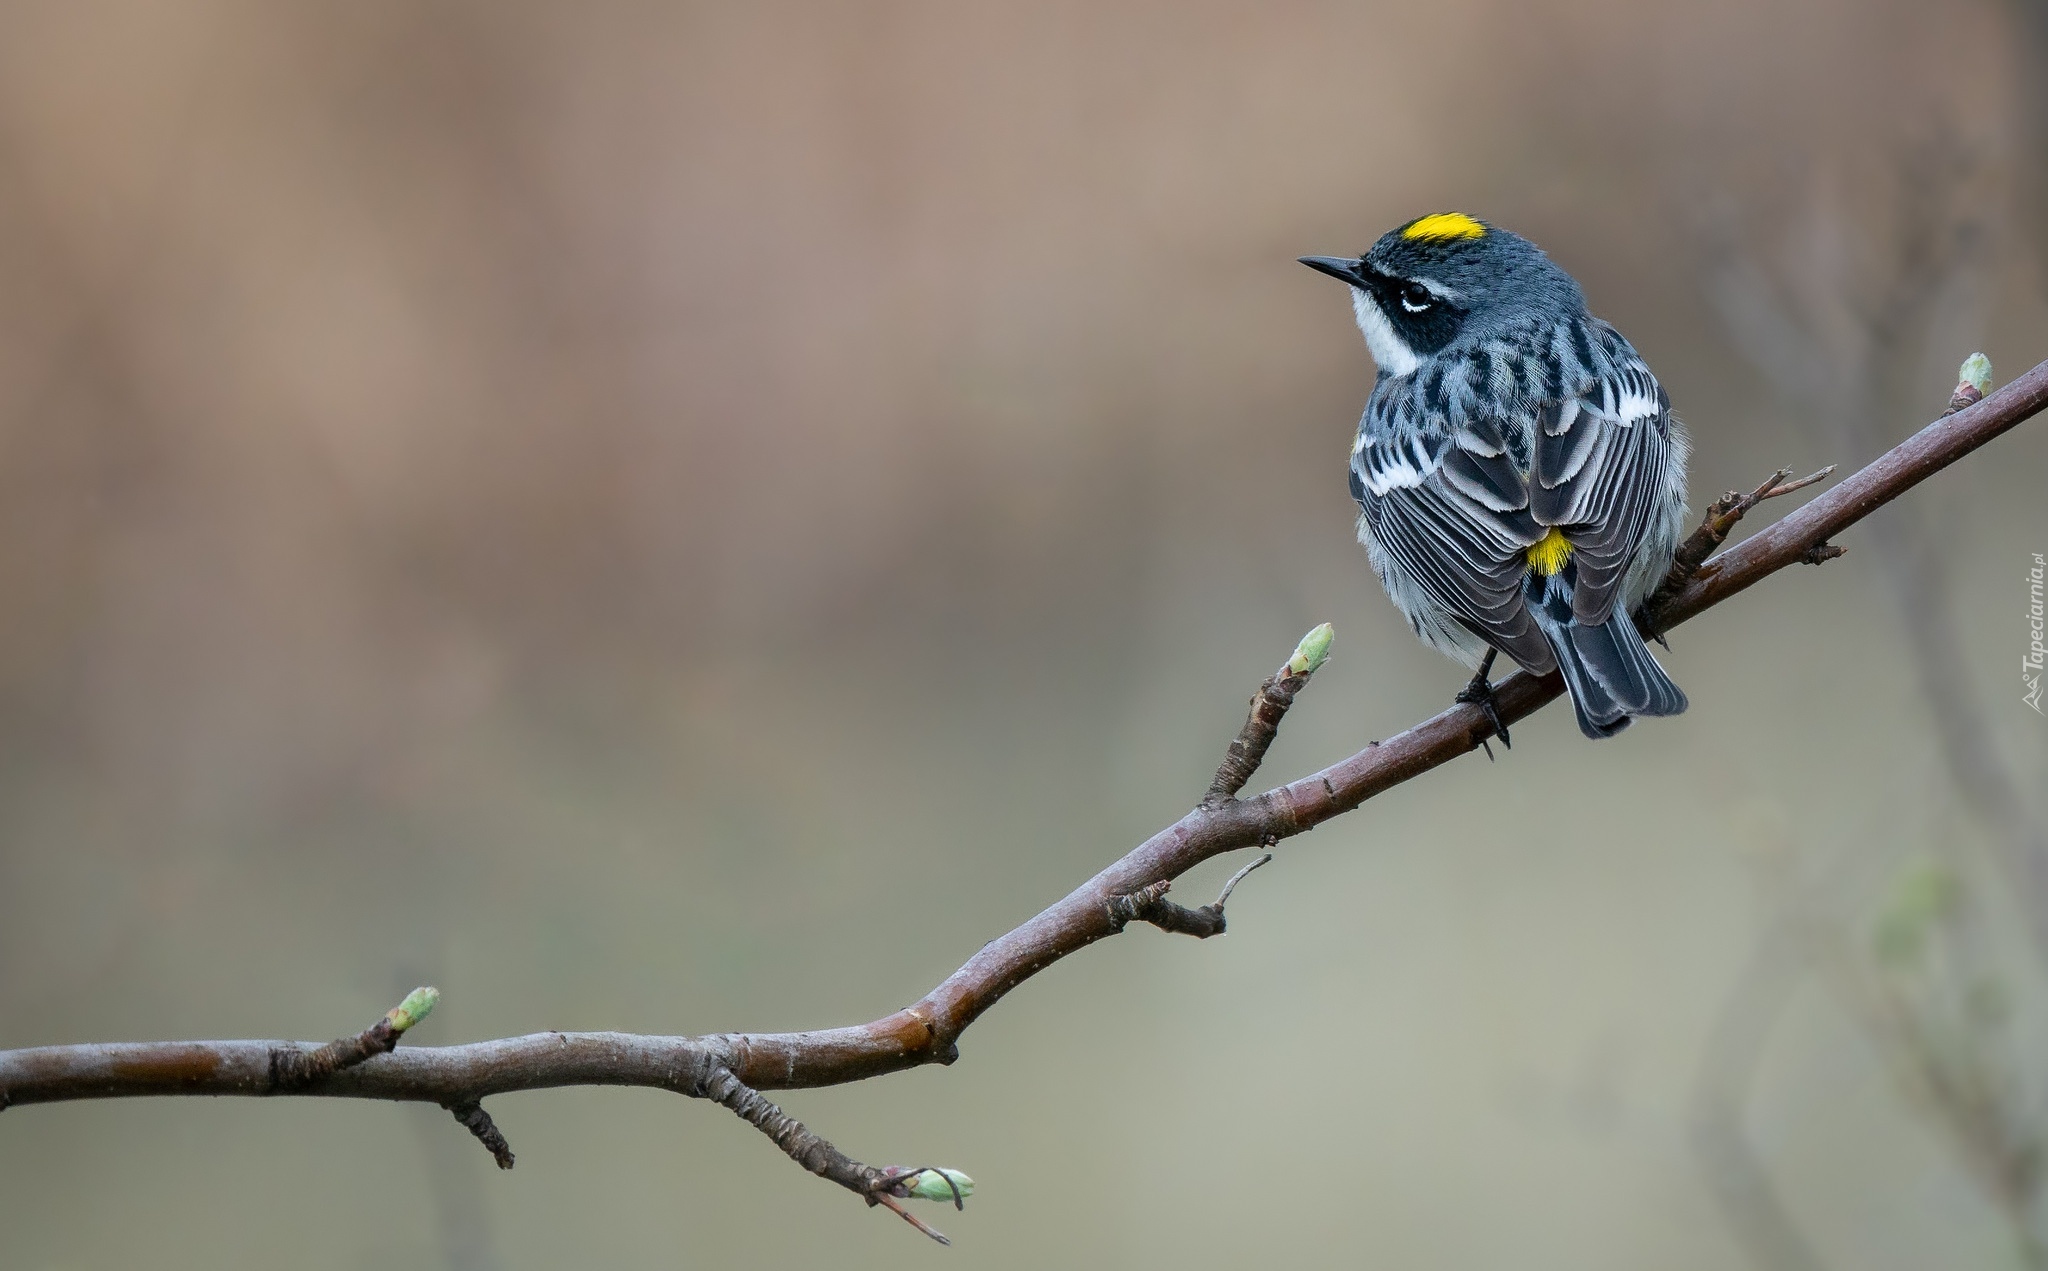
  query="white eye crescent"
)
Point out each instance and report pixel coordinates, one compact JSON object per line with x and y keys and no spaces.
{"x":1416,"y":298}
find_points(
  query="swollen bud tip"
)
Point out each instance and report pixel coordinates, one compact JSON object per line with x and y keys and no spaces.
{"x":1976,"y":372}
{"x":417,"y":1005}
{"x":1312,"y":652}
{"x":941,"y":1184}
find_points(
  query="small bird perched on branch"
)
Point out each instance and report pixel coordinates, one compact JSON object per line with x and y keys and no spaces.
{"x":1521,"y":477}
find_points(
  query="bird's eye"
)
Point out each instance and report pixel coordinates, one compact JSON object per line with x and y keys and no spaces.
{"x":1415,"y":298}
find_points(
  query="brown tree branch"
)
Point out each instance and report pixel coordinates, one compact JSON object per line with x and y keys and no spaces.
{"x":730,"y":1068}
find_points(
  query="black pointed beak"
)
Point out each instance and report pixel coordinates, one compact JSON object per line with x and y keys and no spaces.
{"x":1335,"y":266}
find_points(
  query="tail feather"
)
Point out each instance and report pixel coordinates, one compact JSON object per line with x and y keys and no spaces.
{"x":1607,"y":668}
{"x":1615,"y":655}
{"x":1598,"y":713}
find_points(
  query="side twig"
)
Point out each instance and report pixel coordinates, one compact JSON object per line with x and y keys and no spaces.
{"x":1247,"y":750}
{"x":293,"y":1069}
{"x":1149,"y":904}
{"x":1723,"y":514}
{"x":472,"y":1117}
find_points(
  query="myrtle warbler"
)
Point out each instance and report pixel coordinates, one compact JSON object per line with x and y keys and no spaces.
{"x":1521,"y":478}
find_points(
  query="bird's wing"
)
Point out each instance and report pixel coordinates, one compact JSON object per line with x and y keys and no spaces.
{"x":1453,"y":514}
{"x":1596,"y":469}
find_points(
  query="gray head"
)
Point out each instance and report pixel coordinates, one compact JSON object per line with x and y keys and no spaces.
{"x":1449,"y":282}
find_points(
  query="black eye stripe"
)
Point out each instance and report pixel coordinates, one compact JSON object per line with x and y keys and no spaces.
{"x":1392,"y":287}
{"x":1425,"y":329}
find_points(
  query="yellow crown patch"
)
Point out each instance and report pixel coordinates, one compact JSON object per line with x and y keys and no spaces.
{"x":1444,"y":225}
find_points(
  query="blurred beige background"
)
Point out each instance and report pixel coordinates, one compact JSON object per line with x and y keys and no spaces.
{"x":685,"y":518}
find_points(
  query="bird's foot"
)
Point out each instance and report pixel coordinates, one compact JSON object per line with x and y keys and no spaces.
{"x":1479,"y":692}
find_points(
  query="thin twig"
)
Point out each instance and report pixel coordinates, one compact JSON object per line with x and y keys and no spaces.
{"x":1269,"y":706}
{"x":1237,"y":878}
{"x":293,"y":1068}
{"x":882,"y":1198}
{"x":1722,"y":516}
{"x":1149,"y":904}
{"x":478,"y":1122}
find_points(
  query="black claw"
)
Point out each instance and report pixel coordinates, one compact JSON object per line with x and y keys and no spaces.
{"x":1480,"y":693}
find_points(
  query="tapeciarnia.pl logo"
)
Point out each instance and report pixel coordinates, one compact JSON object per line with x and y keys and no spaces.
{"x":2030,"y":665}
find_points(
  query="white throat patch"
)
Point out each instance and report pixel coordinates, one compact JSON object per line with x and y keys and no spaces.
{"x":1388,"y":349}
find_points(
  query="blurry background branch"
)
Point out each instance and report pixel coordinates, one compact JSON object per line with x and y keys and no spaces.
{"x":1840,"y":310}
{"x":732,"y":1068}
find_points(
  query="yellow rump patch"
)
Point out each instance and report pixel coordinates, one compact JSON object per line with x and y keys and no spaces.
{"x":1445,"y":225}
{"x":1550,"y":553}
